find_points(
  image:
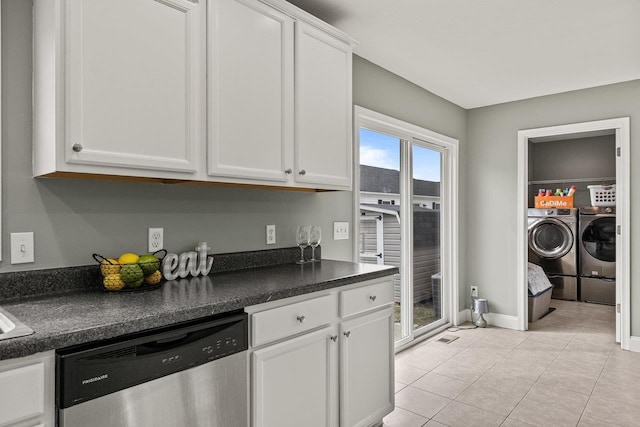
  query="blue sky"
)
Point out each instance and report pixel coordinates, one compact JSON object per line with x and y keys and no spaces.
{"x":383,"y":151}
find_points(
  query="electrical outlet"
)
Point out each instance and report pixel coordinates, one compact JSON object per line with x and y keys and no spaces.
{"x":156,"y":239}
{"x":271,"y":234}
{"x":474,"y":291}
{"x":22,"y":248}
{"x":340,"y":230}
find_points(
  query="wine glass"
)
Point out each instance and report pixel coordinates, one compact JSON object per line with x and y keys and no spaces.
{"x":302,"y":240}
{"x":315,"y":236}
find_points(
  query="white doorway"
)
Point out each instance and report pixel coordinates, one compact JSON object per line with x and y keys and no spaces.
{"x":623,"y":181}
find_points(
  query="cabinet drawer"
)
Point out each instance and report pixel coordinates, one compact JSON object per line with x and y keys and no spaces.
{"x":281,"y":322}
{"x":21,"y":393}
{"x":365,"y":298}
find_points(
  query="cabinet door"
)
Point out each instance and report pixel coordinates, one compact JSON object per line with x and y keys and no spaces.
{"x":134,"y":83}
{"x":250,"y":91}
{"x":323,"y":109}
{"x":294,"y":383}
{"x":366,"y":369}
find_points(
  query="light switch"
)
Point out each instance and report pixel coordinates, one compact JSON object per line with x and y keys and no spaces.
{"x":22,"y":248}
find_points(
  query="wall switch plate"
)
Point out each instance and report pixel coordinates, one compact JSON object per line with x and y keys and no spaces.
{"x":474,"y":291}
{"x":271,"y":234}
{"x":156,"y":239}
{"x":22,"y":248}
{"x":340,"y":230}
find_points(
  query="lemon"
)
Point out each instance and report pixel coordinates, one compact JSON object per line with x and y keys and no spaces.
{"x":113,"y":282}
{"x":128,"y":258}
{"x":109,"y":266}
{"x":131,"y":273}
{"x":153,"y":278}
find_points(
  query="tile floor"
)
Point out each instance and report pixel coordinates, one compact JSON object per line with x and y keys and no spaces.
{"x":566,"y":370}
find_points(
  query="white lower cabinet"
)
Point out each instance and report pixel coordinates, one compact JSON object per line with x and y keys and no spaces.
{"x":366,"y":368}
{"x":295,"y":382}
{"x":311,"y":367}
{"x":27,"y":391}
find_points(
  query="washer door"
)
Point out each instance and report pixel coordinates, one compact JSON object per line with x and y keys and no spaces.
{"x":550,"y":238}
{"x":599,"y":239}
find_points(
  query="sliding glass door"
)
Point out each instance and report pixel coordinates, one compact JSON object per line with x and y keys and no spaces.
{"x":402,"y":202}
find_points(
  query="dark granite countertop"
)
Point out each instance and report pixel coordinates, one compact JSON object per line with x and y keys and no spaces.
{"x":64,"y":319}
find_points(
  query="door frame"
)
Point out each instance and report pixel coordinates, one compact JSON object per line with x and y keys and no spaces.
{"x":621,"y":127}
{"x":375,"y":121}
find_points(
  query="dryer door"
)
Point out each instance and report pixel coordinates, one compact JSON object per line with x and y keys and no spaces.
{"x":550,"y":238}
{"x":599,"y":239}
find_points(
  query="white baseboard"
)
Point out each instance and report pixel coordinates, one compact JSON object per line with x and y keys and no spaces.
{"x":502,"y":320}
{"x":634,"y":344}
{"x":464,"y":316}
{"x":498,"y":320}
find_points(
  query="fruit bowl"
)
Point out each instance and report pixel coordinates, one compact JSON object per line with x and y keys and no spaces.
{"x":131,"y":272}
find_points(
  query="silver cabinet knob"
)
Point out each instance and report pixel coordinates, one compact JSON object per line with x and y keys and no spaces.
{"x":288,"y":171}
{"x":372,"y":297}
{"x":302,"y":172}
{"x":77,"y":147}
{"x":333,"y":338}
{"x":347,"y":333}
{"x":300,"y":319}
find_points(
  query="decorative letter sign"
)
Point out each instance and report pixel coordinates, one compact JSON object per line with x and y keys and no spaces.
{"x":192,"y":263}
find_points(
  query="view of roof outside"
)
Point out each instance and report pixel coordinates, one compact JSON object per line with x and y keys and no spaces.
{"x":383,"y":151}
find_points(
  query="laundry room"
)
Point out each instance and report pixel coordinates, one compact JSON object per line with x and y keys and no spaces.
{"x":572,"y":225}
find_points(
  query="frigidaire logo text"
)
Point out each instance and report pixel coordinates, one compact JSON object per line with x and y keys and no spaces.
{"x":94,"y":379}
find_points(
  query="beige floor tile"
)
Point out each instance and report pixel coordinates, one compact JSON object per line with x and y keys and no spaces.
{"x":458,"y":414}
{"x":566,"y":364}
{"x":610,"y":412}
{"x":623,"y":393}
{"x":420,"y":402}
{"x":504,"y":381}
{"x":406,"y":374}
{"x":526,"y":370}
{"x":463,"y":369}
{"x":434,"y":423}
{"x":401,"y":418}
{"x":573,"y":380}
{"x":547,"y":395}
{"x":441,"y":385}
{"x":489,"y":399}
{"x":535,"y":414}
{"x":398,"y":386}
{"x":587,"y":421}
{"x":421,"y":360}
{"x":509,"y":422}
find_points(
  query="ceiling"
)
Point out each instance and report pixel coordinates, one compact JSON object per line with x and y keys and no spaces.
{"x":482,"y":52}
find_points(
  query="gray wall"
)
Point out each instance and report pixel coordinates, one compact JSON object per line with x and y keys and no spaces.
{"x":492,"y":170}
{"x":379,"y":90}
{"x":72,"y":219}
{"x":580,"y":158}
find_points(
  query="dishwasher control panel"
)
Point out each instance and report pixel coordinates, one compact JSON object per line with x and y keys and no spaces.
{"x":94,"y":370}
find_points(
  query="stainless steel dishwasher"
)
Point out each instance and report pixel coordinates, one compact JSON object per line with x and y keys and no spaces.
{"x":194,"y":374}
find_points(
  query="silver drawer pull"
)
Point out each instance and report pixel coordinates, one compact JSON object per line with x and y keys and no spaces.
{"x":333,"y":338}
{"x":76,"y":147}
{"x":288,"y":171}
{"x":372,"y":297}
{"x":302,"y":172}
{"x":347,"y":333}
{"x":300,"y":319}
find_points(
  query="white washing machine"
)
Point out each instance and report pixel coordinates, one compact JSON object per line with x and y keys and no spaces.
{"x":553,"y":235}
{"x":598,"y":254}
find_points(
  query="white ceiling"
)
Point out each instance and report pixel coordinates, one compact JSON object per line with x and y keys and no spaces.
{"x":482,"y":52}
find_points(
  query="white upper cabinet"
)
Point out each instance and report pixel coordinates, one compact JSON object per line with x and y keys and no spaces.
{"x":119,"y":87}
{"x":235,"y":91}
{"x":323,"y":109}
{"x":250,"y":100}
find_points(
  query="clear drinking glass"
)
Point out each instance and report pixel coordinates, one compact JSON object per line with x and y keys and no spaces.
{"x":302,"y":240}
{"x":315,"y":236}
